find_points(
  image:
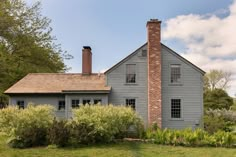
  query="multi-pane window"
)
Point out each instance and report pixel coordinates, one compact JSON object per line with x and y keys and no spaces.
{"x":75,"y":103}
{"x":97,"y":101}
{"x":21,"y":104}
{"x":175,"y":73}
{"x":130,"y":103}
{"x":61,"y":105}
{"x":175,"y":108}
{"x":130,"y":73}
{"x":86,"y":101}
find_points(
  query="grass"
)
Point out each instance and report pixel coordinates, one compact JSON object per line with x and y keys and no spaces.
{"x":127,"y":149}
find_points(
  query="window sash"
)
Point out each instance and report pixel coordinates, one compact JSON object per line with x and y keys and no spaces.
{"x":130,"y":73}
{"x":97,"y":101}
{"x":61,"y":105}
{"x":86,"y":101}
{"x":75,"y":103}
{"x":176,"y":108}
{"x":131,"y":103}
{"x":175,"y":73}
{"x":21,"y":104}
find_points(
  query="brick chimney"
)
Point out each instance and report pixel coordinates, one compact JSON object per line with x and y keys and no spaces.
{"x":154,"y":72}
{"x":86,"y":60}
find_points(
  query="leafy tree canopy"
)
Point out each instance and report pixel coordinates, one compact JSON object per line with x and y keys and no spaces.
{"x":217,"y":79}
{"x":217,"y":99}
{"x":26,"y":43}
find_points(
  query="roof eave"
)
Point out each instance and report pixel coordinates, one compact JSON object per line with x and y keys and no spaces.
{"x":86,"y":91}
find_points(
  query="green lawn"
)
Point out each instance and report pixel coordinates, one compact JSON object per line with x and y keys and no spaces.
{"x":126,"y":149}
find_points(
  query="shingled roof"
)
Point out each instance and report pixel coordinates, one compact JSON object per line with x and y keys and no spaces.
{"x":60,"y":83}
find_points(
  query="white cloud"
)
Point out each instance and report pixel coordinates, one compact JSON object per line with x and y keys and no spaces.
{"x":210,"y":41}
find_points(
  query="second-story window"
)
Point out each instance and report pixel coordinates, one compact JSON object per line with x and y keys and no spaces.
{"x":175,"y":73}
{"x":130,"y":73}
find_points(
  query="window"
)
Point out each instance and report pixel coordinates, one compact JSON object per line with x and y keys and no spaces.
{"x":144,"y":53}
{"x":130,"y":103}
{"x":175,"y":108}
{"x":21,"y":104}
{"x":74,"y":103}
{"x":97,"y":101}
{"x":61,"y":105}
{"x":175,"y":73}
{"x":130,"y":73}
{"x":86,"y":101}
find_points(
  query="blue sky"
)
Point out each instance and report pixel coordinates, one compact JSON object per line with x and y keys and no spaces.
{"x":114,"y":29}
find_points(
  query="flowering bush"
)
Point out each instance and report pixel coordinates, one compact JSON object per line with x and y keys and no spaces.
{"x":108,"y":122}
{"x":223,"y":119}
{"x":26,"y":127}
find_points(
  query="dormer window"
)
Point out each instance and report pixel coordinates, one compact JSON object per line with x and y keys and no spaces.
{"x":130,"y":73}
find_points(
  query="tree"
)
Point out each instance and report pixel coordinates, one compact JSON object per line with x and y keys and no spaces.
{"x":26,"y":43}
{"x":217,"y":99}
{"x":217,"y":79}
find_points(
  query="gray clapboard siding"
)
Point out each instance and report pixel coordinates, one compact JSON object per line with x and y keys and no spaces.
{"x":70,"y":97}
{"x":190,"y":92}
{"x":120,"y":90}
{"x":40,"y":99}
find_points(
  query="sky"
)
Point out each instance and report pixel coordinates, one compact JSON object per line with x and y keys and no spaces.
{"x":202,"y":31}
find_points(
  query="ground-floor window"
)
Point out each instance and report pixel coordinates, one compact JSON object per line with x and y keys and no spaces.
{"x":21,"y":104}
{"x":175,"y":108}
{"x":86,"y":101}
{"x":75,"y":103}
{"x":97,"y":101}
{"x":61,"y":105}
{"x":130,"y":103}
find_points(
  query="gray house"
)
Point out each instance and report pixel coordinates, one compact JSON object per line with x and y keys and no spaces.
{"x":160,"y":85}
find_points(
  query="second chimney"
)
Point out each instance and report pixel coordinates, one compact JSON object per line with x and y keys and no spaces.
{"x":86,"y":60}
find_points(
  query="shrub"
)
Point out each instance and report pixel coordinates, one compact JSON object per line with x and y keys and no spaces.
{"x":59,"y":133}
{"x":82,"y":133}
{"x":26,"y":127}
{"x":189,"y":137}
{"x":215,"y":120}
{"x":105,"y":123}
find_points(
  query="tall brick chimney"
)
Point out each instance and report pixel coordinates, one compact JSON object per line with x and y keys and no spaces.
{"x":86,"y":60}
{"x":154,"y":72}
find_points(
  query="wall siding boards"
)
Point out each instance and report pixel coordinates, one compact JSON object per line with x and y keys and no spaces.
{"x":190,"y":91}
{"x":121,"y":90}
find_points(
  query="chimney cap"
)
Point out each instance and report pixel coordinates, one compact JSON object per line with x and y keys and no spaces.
{"x":153,"y":21}
{"x":87,"y":47}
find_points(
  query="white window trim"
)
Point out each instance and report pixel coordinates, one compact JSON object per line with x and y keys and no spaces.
{"x":18,"y":105}
{"x":181,"y":109}
{"x":181,"y":74}
{"x":58,"y":105}
{"x":136,"y":73}
{"x":136,"y":101}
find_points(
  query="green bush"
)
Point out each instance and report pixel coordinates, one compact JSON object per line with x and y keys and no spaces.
{"x":105,"y":123}
{"x":189,"y":137}
{"x":82,"y":133}
{"x":223,"y":119}
{"x":59,"y":133}
{"x":26,"y":127}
